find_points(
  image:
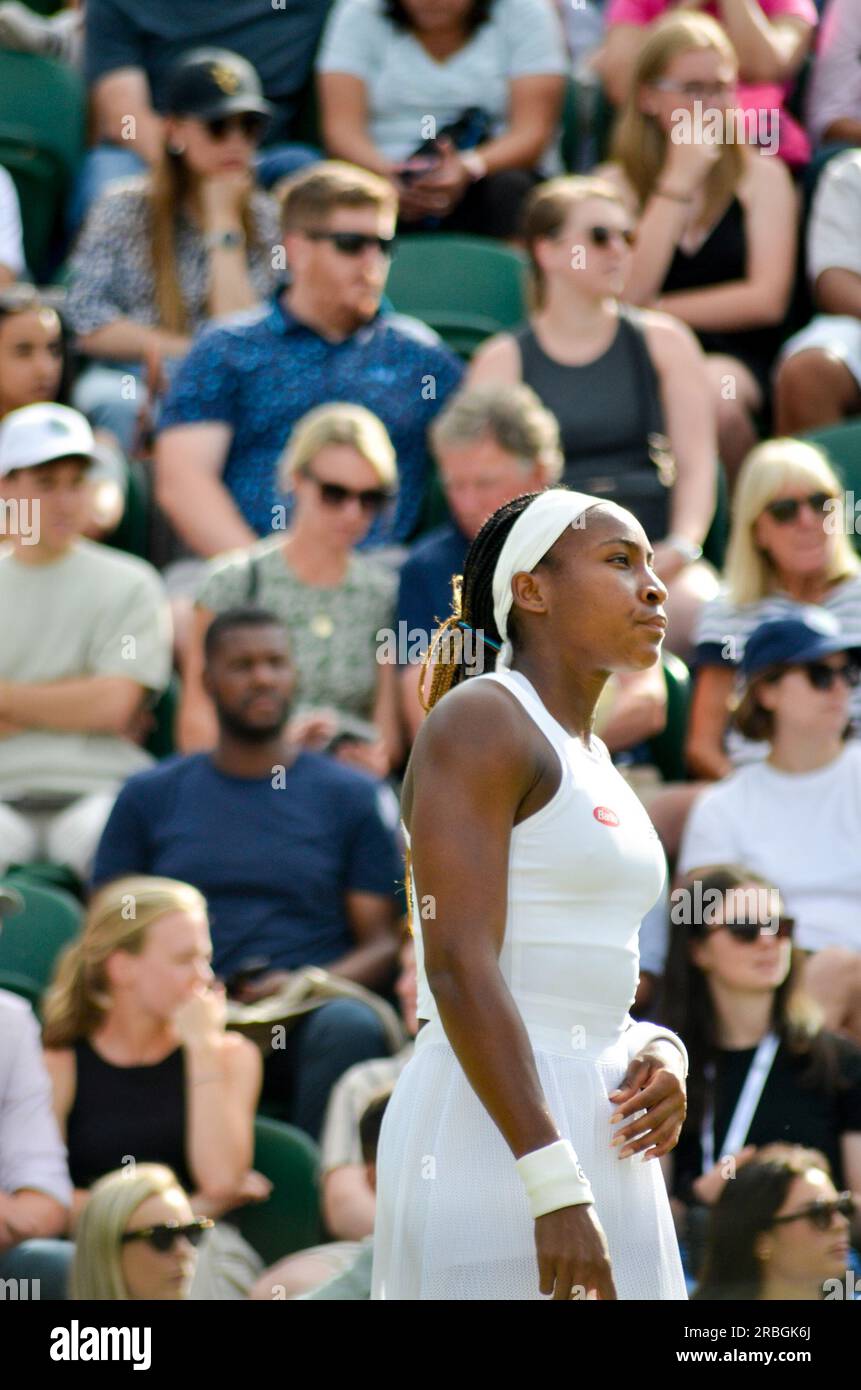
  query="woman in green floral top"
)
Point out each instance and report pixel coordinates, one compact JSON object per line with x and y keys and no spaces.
{"x":340,"y":465}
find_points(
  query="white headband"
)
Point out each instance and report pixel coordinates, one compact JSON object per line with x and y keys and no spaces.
{"x":537,"y":528}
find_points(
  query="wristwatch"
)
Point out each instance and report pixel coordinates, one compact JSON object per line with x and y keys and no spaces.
{"x":474,"y":163}
{"x":228,"y":240}
{"x":689,"y":550}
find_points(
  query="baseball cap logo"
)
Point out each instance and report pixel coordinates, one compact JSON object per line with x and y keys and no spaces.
{"x":605,"y":815}
{"x":224,"y":77}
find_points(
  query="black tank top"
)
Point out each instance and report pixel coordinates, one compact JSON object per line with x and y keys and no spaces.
{"x":605,"y":408}
{"x":122,"y":1111}
{"x":723,"y":258}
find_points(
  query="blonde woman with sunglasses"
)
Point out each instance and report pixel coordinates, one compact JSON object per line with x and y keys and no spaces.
{"x":788,"y":548}
{"x":137,"y":1238}
{"x":339,"y":464}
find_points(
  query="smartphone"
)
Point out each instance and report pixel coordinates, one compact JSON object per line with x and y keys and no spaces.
{"x":249,"y":970}
{"x":422,"y":161}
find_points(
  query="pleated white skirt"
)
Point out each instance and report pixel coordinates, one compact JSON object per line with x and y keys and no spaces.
{"x":452,"y":1217}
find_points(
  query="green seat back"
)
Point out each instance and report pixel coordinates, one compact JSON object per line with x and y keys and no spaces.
{"x":668,"y":747}
{"x":161,"y":742}
{"x":466,"y":287}
{"x":42,"y":132}
{"x":289,"y":1219}
{"x":572,"y":127}
{"x":21,"y":985}
{"x":842,"y":444}
{"x":132,"y":534}
{"x":714,"y":545}
{"x":31,"y":941}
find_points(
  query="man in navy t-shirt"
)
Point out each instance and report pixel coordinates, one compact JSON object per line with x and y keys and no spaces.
{"x":296,"y":853}
{"x":492,"y":442}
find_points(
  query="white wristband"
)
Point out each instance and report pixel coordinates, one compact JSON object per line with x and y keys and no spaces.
{"x":553,"y":1178}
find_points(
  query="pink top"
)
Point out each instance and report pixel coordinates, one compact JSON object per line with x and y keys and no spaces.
{"x":644,"y":11}
{"x":794,"y":144}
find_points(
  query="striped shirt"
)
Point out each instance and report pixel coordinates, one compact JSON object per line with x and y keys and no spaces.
{"x":724,"y":628}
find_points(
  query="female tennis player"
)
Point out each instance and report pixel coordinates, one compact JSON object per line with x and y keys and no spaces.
{"x":515,"y":1158}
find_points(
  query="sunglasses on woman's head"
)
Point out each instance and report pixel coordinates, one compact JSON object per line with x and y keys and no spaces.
{"x":786,"y":509}
{"x":352,"y":243}
{"x":251,"y":123}
{"x":370,"y":499}
{"x":602,"y":236}
{"x":748,"y":932}
{"x":821,"y":1214}
{"x":162,"y":1238}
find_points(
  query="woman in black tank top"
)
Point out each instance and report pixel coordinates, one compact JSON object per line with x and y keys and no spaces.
{"x":718,"y":220}
{"x":628,"y":387}
{"x":142,"y":1068}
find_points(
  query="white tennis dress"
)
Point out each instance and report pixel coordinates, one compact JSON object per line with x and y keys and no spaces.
{"x":452,"y":1215}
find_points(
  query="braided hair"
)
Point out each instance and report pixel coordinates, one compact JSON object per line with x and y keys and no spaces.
{"x":472,"y":606}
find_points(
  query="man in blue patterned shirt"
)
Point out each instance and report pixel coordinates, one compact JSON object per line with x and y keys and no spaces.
{"x":248,"y":379}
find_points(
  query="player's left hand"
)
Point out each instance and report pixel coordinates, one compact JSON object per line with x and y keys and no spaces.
{"x":651,"y":1103}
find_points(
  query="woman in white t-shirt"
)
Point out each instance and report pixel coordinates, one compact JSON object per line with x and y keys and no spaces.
{"x":394,"y":74}
{"x":795,"y":817}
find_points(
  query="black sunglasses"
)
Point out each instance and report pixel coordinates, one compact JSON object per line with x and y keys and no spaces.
{"x":786,"y":509}
{"x":602,"y":236}
{"x":352,"y":243}
{"x":370,"y":499}
{"x":162,"y":1238}
{"x":749,"y":932}
{"x":821,"y":1214}
{"x":251,"y":123}
{"x":822,"y":677}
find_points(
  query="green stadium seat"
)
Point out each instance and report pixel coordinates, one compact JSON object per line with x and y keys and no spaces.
{"x":465,"y":287}
{"x":714,"y":545}
{"x":132,"y":534}
{"x":21,"y":985}
{"x":31,"y":941}
{"x":289,"y":1219}
{"x":49,"y":875}
{"x":42,"y":132}
{"x":842,"y":444}
{"x":161,"y":743}
{"x":668,"y":747}
{"x":571,"y":138}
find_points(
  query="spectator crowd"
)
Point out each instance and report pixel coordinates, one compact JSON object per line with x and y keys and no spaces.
{"x":327,"y":285}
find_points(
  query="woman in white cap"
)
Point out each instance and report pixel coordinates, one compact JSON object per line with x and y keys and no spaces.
{"x":509,"y":1165}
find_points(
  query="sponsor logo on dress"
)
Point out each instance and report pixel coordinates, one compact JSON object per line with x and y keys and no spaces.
{"x":605,"y":815}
